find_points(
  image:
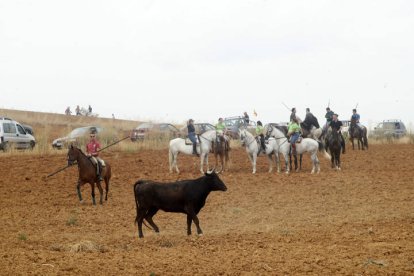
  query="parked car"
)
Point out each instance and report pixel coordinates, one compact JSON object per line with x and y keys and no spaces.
{"x":200,"y":128}
{"x":233,"y":124}
{"x":13,"y":134}
{"x":152,"y":130}
{"x":78,"y":135}
{"x":389,"y":129}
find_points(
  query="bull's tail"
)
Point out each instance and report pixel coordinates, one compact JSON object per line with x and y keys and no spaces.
{"x":137,"y":203}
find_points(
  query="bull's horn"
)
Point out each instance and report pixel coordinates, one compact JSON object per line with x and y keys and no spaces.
{"x":211,"y":171}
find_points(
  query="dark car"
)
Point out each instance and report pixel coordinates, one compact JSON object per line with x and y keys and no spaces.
{"x":200,"y":128}
{"x":153,"y":130}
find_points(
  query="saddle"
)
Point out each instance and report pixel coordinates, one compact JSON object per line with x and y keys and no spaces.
{"x":188,"y":141}
{"x":96,"y":160}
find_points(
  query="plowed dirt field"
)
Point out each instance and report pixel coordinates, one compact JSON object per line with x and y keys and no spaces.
{"x":356,"y":221}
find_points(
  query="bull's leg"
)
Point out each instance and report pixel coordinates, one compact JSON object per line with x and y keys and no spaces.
{"x":140,"y":218}
{"x":79,"y":191}
{"x":151,"y":212}
{"x":189,"y":220}
{"x":197,"y":223}
{"x":93,"y":193}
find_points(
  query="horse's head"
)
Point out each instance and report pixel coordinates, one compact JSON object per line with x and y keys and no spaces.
{"x":73,"y":154}
{"x":269,"y":130}
{"x":243,"y":135}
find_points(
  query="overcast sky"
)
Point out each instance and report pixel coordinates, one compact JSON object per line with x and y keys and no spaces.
{"x":172,"y":60}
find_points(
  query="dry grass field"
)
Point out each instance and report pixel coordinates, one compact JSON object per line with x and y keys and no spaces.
{"x":358,"y":221}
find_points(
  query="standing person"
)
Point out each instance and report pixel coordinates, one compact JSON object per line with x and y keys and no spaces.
{"x":337,"y":125}
{"x":192,"y":135}
{"x":260,"y":133}
{"x":67,"y":111}
{"x":294,"y":131}
{"x":77,"y":110}
{"x":90,"y":109}
{"x":92,"y":150}
{"x":246,"y":118}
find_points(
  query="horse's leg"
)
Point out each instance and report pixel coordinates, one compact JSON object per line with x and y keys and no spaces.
{"x":339,"y":161}
{"x":300,"y":161}
{"x":175,"y":155}
{"x":318,"y":165}
{"x":270,"y":158}
{"x":202,"y":157}
{"x":106,"y":188}
{"x":79,"y":191}
{"x":286,"y":163}
{"x":332,"y":159}
{"x":98,"y":183}
{"x":277,"y":160}
{"x":254,"y":162}
{"x":93,"y":193}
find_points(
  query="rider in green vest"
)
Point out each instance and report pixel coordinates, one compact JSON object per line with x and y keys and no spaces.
{"x":294,"y":131}
{"x":260,"y":133}
{"x":220,"y":126}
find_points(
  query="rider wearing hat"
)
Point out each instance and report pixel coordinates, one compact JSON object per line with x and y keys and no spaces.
{"x":259,"y":132}
{"x":192,"y":135}
{"x":337,"y":125}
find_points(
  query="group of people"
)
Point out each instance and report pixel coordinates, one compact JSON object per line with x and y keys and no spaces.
{"x":77,"y":110}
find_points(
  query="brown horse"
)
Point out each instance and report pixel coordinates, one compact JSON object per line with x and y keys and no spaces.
{"x":87,"y":173}
{"x":360,"y":133}
{"x":221,"y":148}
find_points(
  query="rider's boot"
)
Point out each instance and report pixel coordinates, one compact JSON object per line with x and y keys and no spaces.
{"x":195,"y":149}
{"x":99,"y":171}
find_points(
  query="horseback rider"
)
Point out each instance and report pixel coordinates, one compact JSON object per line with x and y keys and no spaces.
{"x":192,"y":135}
{"x":310,"y":120}
{"x":328,"y":116}
{"x":246,"y":118}
{"x":260,"y":132}
{"x":294,"y":131}
{"x":337,"y":125}
{"x":292,"y":115}
{"x":92,"y":151}
{"x":220,"y":126}
{"x":355,"y":118}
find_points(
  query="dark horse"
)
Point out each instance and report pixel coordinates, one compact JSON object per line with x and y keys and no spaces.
{"x":221,"y":148}
{"x":360,"y":133}
{"x":333,"y":142}
{"x":87,"y":173}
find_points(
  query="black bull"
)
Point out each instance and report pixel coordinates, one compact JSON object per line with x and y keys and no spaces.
{"x":186,"y":196}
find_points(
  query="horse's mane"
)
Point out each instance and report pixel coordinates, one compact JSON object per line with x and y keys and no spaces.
{"x":79,"y":149}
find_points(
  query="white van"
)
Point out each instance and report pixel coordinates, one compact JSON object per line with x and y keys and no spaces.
{"x":13,"y":134}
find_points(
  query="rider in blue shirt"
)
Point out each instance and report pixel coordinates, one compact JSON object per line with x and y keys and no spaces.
{"x":355,"y":117}
{"x":192,"y":135}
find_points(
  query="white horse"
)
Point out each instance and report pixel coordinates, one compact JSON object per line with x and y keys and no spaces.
{"x":178,"y":145}
{"x":252,"y":148}
{"x":306,"y":145}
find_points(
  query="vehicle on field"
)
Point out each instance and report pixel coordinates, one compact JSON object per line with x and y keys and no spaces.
{"x":389,"y":129}
{"x":233,"y":124}
{"x":77,"y":136}
{"x":154,"y":130}
{"x":14,"y":135}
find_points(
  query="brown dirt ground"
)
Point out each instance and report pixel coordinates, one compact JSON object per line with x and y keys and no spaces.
{"x":357,"y":221}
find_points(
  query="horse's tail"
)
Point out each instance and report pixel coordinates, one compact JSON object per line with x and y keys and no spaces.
{"x":322,"y":149}
{"x":170,"y":157}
